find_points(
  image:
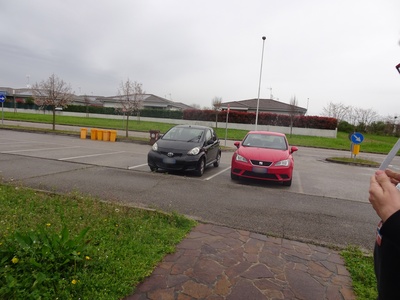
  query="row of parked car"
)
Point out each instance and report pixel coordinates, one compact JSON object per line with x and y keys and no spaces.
{"x":261,"y":155}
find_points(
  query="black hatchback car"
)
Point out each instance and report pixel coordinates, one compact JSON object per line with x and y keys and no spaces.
{"x":185,"y":148}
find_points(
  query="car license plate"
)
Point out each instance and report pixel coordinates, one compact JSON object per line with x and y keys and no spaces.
{"x":260,"y":170}
{"x":169,"y":160}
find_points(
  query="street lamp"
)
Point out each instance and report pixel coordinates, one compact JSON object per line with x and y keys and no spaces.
{"x":259,"y":82}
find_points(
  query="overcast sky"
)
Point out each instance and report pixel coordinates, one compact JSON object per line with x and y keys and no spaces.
{"x":342,"y":51}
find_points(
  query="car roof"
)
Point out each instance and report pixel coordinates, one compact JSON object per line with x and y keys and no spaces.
{"x":192,"y":126}
{"x":266,"y":132}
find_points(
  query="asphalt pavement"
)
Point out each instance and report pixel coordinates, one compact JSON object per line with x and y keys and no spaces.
{"x":219,"y":262}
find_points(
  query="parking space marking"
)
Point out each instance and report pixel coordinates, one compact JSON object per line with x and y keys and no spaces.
{"x":17,"y":142}
{"x":220,"y":172}
{"x":301,"y":190}
{"x":42,"y":149}
{"x":90,"y":155}
{"x":138,"y":166}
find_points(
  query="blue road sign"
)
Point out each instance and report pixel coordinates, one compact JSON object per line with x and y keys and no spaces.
{"x":357,"y":138}
{"x":2,"y":97}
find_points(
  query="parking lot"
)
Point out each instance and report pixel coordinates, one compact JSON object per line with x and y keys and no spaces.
{"x":312,"y":174}
{"x":326,"y":202}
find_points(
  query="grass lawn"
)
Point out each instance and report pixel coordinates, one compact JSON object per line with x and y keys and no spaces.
{"x":371,"y":143}
{"x":126,"y":243}
{"x":43,"y":255}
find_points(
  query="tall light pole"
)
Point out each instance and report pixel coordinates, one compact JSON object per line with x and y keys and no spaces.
{"x":259,"y":82}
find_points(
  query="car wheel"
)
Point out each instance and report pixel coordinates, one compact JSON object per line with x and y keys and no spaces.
{"x":216,"y":163}
{"x":234,"y":177}
{"x":200,"y":167}
{"x":153,"y":169}
{"x":288,"y":183}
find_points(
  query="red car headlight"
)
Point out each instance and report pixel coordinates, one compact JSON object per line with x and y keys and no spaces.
{"x":240,"y":158}
{"x":283,"y":163}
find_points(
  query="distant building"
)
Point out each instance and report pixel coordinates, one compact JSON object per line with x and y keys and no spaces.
{"x":150,"y":101}
{"x":265,"y":105}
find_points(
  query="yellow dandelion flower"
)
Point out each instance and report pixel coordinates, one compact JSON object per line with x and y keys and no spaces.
{"x":74,"y":281}
{"x":87,"y":257}
{"x":15,"y":260}
{"x":48,"y":224}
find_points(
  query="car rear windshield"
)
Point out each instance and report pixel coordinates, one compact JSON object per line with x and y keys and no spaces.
{"x":265,"y":141}
{"x":184,"y":134}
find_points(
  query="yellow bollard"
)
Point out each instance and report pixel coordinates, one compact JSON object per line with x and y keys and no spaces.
{"x":106,"y":135}
{"x":83,"y":133}
{"x":99,"y":134}
{"x":356,"y":149}
{"x":113,"y":135}
{"x":93,"y":133}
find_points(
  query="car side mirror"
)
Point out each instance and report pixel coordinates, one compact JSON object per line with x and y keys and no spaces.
{"x":293,"y":149}
{"x":210,"y":142}
{"x":237,"y":144}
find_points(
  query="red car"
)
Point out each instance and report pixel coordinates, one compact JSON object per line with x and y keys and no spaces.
{"x":263,"y":155}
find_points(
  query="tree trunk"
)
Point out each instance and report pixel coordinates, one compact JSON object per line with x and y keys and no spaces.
{"x":54,"y":118}
{"x":127,"y":125}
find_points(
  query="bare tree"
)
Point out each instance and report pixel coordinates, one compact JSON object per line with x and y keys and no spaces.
{"x":364,"y":117}
{"x":132,"y":96}
{"x":338,"y":111}
{"x":216,"y":104}
{"x":53,"y":92}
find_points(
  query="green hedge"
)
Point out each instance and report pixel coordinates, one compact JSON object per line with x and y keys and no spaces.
{"x":263,"y":119}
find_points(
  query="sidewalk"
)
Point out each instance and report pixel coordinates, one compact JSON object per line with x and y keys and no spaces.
{"x":216,"y":262}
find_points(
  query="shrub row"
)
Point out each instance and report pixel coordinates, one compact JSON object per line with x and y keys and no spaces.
{"x":263,"y":119}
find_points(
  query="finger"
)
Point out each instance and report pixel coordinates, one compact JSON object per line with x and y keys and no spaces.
{"x":383,"y":180}
{"x":375,"y":190}
{"x":394,"y":177}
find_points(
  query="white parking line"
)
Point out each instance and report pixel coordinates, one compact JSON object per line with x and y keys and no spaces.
{"x":220,"y":172}
{"x":138,"y":166}
{"x":91,"y":155}
{"x":43,"y":149}
{"x":16,"y":142}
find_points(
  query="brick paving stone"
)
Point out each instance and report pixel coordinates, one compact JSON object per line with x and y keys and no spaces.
{"x":245,"y":289}
{"x":266,"y":284}
{"x":304,"y":286}
{"x":207,"y":270}
{"x":318,"y":270}
{"x":174,"y":280}
{"x":253,"y":246}
{"x":220,"y":263}
{"x":257,"y":271}
{"x":223,"y":286}
{"x":166,"y":294}
{"x":258,"y":236}
{"x":196,"y":290}
{"x":330,"y":266}
{"x":333,"y":292}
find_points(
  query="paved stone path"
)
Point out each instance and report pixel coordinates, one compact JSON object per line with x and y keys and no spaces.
{"x":216,"y":262}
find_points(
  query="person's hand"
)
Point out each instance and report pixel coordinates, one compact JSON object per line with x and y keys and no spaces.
{"x":383,"y":194}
